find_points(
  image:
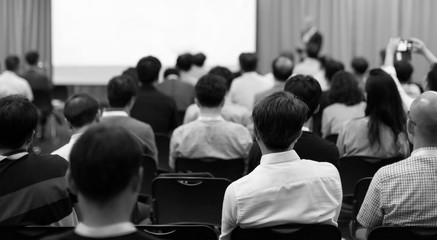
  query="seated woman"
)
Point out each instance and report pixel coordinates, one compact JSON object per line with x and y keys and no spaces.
{"x":347,"y":102}
{"x":381,"y":133}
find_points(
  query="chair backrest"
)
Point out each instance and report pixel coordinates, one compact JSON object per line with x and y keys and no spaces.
{"x":188,"y":199}
{"x":403,"y":233}
{"x":288,"y":232}
{"x":149,"y":173}
{"x":180,"y":232}
{"x":30,"y":233}
{"x":163,"y":145}
{"x":360,"y":193}
{"x":231,"y":169}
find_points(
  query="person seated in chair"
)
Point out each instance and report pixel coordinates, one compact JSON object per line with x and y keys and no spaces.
{"x":284,"y":188}
{"x":210,"y":135}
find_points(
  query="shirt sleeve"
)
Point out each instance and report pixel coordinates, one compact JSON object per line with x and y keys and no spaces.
{"x":371,"y":212}
{"x":340,"y":141}
{"x":229,"y":213}
{"x":174,"y":143}
{"x":325,"y":124}
{"x":406,"y":100}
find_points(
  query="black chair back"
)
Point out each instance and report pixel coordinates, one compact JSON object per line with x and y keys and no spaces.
{"x":149,"y":173}
{"x":288,"y":232}
{"x":30,"y":233}
{"x":163,"y":145}
{"x":231,"y":169}
{"x":359,"y":194}
{"x":180,"y":232}
{"x":403,"y":233}
{"x":188,"y":199}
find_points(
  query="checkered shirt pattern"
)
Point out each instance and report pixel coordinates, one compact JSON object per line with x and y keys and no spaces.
{"x":403,"y":193}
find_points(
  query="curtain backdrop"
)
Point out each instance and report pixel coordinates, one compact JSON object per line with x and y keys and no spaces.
{"x":25,"y":25}
{"x":349,"y":27}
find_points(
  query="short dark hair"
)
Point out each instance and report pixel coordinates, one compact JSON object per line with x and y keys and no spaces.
{"x":431,"y":78}
{"x":210,"y":90}
{"x":359,"y":65}
{"x":131,"y":73}
{"x":171,"y":71}
{"x":184,"y":62}
{"x":32,"y":57}
{"x":12,"y":62}
{"x":404,"y":70}
{"x":332,"y":67}
{"x":81,"y":109}
{"x":307,"y":89}
{"x":100,"y":166}
{"x":278,"y":120}
{"x":148,"y":69}
{"x":225,"y":73}
{"x":248,"y":62}
{"x":345,"y":89}
{"x":282,"y":68}
{"x":120,"y":90}
{"x":312,"y":50}
{"x":199,"y":59}
{"x":18,"y":119}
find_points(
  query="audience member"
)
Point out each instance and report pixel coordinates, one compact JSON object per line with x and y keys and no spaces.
{"x":151,"y":106}
{"x":184,"y":64}
{"x":198,"y":68}
{"x":311,"y":64}
{"x":81,"y":111}
{"x":309,"y":145}
{"x":431,"y":79}
{"x":403,"y":193}
{"x":347,"y":102}
{"x":230,"y":111}
{"x":210,"y":135}
{"x":245,"y":87}
{"x":430,"y":82}
{"x":359,"y":68}
{"x":41,"y":88}
{"x":283,"y":188}
{"x":33,"y":190}
{"x":282,"y":69}
{"x":106,"y":177}
{"x":269,"y":77}
{"x":404,"y":71}
{"x":11,"y":83}
{"x":181,"y":92}
{"x":381,"y":133}
{"x":122,"y":91}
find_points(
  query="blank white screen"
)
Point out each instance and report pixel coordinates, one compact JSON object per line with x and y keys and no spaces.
{"x":94,"y":40}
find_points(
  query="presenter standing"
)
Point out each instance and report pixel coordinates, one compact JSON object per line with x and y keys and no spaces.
{"x":310,"y":37}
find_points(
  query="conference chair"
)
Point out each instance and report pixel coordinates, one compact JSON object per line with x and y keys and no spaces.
{"x":163,"y":145}
{"x":403,"y":233}
{"x":188,"y":200}
{"x":359,"y":194}
{"x":288,"y":232}
{"x":149,"y":173}
{"x":30,"y":233}
{"x":231,"y":169}
{"x":180,"y":232}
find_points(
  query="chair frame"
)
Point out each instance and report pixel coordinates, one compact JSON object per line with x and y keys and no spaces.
{"x":231,"y":169}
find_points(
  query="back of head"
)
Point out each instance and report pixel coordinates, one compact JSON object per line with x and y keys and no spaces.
{"x":345,"y":89}
{"x":332,"y":67}
{"x":12,"y":62}
{"x":312,"y":50}
{"x":248,"y":62}
{"x":384,"y":104}
{"x":278,"y":120}
{"x":81,"y":109}
{"x":404,"y":70}
{"x":32,"y":58}
{"x":131,"y":73}
{"x":282,"y":68}
{"x":120,"y":91}
{"x":148,"y":69}
{"x":171,"y":73}
{"x":307,"y":89}
{"x":199,"y":59}
{"x":18,"y":119}
{"x":184,"y":62}
{"x":210,"y":90}
{"x":225,"y":73}
{"x":422,"y":121}
{"x":101,"y":167}
{"x":431,"y":78}
{"x":359,"y":65}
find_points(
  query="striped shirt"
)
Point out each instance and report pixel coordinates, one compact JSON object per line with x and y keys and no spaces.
{"x":33,"y":190}
{"x":403,"y":193}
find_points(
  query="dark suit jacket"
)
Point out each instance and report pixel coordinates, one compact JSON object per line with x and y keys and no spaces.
{"x":41,"y":88}
{"x":156,"y":109}
{"x":309,"y":146}
{"x":181,"y":92}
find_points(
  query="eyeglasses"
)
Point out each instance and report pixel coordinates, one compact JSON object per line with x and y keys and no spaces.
{"x":413,"y":122}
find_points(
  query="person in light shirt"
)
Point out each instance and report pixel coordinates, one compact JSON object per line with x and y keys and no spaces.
{"x":11,"y":83}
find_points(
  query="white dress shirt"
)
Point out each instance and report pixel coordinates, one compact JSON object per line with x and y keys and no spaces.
{"x":11,"y":83}
{"x":283,"y":189}
{"x":65,"y":150}
{"x":244,"y":89}
{"x":114,"y":230}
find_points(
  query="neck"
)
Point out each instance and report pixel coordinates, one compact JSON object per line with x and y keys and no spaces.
{"x":210,"y":112}
{"x":81,"y":129}
{"x":122,"y":109}
{"x":265,"y":150}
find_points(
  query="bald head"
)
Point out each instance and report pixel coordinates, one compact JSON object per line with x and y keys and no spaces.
{"x":423,"y":120}
{"x":282,"y":68}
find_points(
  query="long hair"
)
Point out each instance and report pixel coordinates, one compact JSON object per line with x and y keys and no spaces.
{"x":384,"y":105}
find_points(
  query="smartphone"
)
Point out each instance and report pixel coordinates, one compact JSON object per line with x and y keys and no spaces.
{"x":405,"y":46}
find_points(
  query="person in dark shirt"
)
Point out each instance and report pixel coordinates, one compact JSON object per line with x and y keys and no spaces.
{"x":309,"y":145}
{"x":106,"y":176}
{"x":151,"y":106}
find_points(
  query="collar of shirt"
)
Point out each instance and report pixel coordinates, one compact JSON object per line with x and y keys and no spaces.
{"x":113,"y":230}
{"x":425,"y":151}
{"x":287,"y":156}
{"x":305,"y":129}
{"x":114,"y":113}
{"x":211,"y":118}
{"x":74,"y":137}
{"x":15,"y":155}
